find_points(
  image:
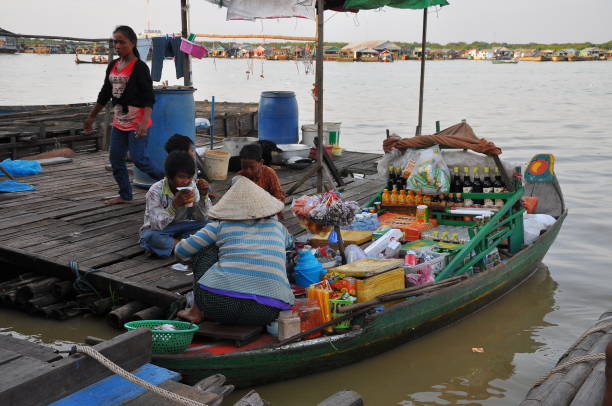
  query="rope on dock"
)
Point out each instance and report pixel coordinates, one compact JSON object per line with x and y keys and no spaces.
{"x":577,"y":360}
{"x":134,"y":379}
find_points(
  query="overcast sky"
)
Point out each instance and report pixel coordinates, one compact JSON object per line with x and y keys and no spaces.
{"x":513,"y":21}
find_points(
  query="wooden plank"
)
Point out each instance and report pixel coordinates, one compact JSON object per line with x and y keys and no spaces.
{"x":27,"y":348}
{"x":152,"y":399}
{"x":116,"y":390}
{"x":7,"y":356}
{"x":592,"y":391}
{"x":54,"y":381}
{"x":20,"y":370}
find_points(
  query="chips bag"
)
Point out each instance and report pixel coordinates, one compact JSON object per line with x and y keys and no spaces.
{"x":430,"y":174}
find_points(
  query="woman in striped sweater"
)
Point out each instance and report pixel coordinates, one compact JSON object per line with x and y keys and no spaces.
{"x":239,"y":260}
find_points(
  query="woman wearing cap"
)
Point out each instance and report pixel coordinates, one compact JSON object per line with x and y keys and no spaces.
{"x":239,"y":259}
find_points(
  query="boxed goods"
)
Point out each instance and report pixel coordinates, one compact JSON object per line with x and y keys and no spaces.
{"x":374,"y":276}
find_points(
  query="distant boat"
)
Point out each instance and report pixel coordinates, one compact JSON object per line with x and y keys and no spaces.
{"x":504,"y":61}
{"x":101,"y":60}
{"x":536,"y":58}
{"x":559,"y":58}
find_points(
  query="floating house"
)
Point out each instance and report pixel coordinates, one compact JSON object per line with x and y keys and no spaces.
{"x":8,"y":45}
{"x":219,"y":51}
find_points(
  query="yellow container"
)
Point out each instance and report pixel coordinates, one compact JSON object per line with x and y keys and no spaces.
{"x":369,"y":288}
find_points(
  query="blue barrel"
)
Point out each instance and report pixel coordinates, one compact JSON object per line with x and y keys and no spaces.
{"x":278,"y":117}
{"x":173,"y":112}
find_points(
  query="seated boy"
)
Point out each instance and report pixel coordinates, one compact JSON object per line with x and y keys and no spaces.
{"x":251,"y":162}
{"x":170,"y":214}
{"x":183,"y":143}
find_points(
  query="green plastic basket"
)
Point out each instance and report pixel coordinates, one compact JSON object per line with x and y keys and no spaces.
{"x":167,"y":342}
{"x":334,"y":308}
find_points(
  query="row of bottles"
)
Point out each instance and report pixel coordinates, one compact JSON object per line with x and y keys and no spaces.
{"x":476,"y":185}
{"x":396,"y":193}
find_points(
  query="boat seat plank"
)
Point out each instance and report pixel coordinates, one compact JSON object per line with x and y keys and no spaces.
{"x":240,"y":335}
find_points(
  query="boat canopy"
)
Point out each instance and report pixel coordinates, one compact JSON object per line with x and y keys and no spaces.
{"x":457,"y":136}
{"x":256,"y":9}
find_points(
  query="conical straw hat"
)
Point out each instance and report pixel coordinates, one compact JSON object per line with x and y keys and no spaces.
{"x":245,"y":201}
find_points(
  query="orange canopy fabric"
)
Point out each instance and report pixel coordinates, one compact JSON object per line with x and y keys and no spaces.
{"x":458,"y":136}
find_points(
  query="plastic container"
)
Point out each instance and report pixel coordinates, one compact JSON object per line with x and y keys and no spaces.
{"x":308,"y":269}
{"x":216,"y":163}
{"x":331,"y":133}
{"x":173,"y":113}
{"x":278,"y":117}
{"x":167,"y":342}
{"x":335,"y":303}
{"x":436,"y":264}
{"x":233,"y":145}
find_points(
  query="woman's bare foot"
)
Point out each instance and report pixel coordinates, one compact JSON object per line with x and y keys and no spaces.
{"x":116,"y":200}
{"x":192,"y":314}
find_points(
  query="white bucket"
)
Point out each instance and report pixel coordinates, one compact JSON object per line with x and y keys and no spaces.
{"x":233,"y":145}
{"x":309,"y":132}
{"x":216,"y":163}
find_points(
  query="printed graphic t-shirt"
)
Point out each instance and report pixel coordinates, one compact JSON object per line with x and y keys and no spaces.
{"x":125,"y":121}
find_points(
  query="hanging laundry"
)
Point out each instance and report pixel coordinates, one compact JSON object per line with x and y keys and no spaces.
{"x":144,"y":46}
{"x":253,"y":9}
{"x":166,"y":47}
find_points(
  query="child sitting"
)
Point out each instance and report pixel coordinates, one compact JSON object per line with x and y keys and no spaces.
{"x":172,"y":214}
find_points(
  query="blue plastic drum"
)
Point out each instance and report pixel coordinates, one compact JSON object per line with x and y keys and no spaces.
{"x":278,"y":117}
{"x":173,"y":112}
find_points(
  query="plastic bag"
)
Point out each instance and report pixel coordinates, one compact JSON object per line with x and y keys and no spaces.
{"x":395,"y":158}
{"x":422,"y":277}
{"x":21,"y":167}
{"x":353,"y":253}
{"x":430,"y":175}
{"x":14,"y":186}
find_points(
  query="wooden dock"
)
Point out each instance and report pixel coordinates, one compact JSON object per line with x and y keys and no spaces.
{"x":65,"y":220}
{"x":579,"y":378}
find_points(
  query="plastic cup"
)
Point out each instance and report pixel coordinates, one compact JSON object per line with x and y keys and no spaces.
{"x":190,"y":203}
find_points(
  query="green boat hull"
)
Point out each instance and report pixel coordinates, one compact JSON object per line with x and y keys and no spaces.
{"x":383,"y":331}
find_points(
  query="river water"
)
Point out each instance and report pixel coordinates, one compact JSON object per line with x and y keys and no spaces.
{"x":527,"y":108}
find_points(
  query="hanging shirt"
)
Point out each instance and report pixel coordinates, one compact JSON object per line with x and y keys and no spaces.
{"x":124,"y":120}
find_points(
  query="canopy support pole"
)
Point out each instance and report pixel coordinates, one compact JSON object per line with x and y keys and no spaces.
{"x":185,"y":34}
{"x":324,"y":164}
{"x":319,"y":93}
{"x":423,"y":57}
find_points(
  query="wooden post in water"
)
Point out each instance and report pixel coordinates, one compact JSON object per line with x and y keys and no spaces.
{"x":185,"y":34}
{"x":423,"y":57}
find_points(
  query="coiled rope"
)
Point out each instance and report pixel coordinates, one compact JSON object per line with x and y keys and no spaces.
{"x":134,"y":379}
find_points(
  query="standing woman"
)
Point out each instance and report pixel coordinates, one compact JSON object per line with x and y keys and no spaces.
{"x":128,"y":84}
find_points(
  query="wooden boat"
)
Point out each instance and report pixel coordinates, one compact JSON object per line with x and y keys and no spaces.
{"x":94,"y":60}
{"x":537,"y":58}
{"x":504,"y":61}
{"x":559,"y":58}
{"x":265,"y":360}
{"x":577,"y":58}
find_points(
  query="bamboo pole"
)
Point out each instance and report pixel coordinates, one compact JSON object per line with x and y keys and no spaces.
{"x":423,"y":58}
{"x":258,"y":36}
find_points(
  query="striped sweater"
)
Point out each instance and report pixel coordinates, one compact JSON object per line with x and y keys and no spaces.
{"x":251,"y":257}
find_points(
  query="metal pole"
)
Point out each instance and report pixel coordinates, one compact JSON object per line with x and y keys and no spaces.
{"x":319,"y":94}
{"x":423,"y":57}
{"x":185,"y":34}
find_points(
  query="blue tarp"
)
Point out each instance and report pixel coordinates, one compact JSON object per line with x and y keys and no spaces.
{"x":21,"y":167}
{"x":14,"y":186}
